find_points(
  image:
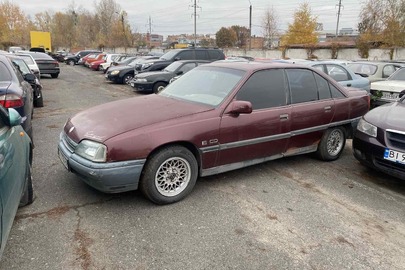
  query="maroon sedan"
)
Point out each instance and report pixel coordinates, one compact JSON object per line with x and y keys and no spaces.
{"x":379,"y":141}
{"x":216,"y":118}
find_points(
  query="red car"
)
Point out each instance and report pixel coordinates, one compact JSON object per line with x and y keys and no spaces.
{"x":99,"y":57}
{"x":216,"y":118}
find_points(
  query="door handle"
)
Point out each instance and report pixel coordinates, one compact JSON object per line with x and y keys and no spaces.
{"x":328,"y":108}
{"x":349,"y":84}
{"x":284,"y":116}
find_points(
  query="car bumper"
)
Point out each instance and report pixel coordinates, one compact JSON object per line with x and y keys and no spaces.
{"x":370,"y":152}
{"x":113,"y":78}
{"x":50,"y":71}
{"x":110,"y":177}
{"x":142,"y":87}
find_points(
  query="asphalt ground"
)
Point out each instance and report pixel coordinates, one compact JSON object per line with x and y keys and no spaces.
{"x":292,"y":213}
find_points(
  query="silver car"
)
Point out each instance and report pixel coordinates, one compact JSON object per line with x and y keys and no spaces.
{"x":30,"y":62}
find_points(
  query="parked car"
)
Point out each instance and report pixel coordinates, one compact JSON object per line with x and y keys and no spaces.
{"x":181,"y":54}
{"x":90,"y":60}
{"x":388,"y":90}
{"x":82,"y":61}
{"x":374,"y":71}
{"x":73,"y":59}
{"x":119,"y":61}
{"x":16,"y":92}
{"x":341,"y":74}
{"x":33,"y":81}
{"x":15,"y":174}
{"x":156,"y":81}
{"x":60,"y":55}
{"x":124,"y":74}
{"x":46,"y":64}
{"x":31,"y":63}
{"x":217,"y":117}
{"x":107,"y":59}
{"x":379,"y":141}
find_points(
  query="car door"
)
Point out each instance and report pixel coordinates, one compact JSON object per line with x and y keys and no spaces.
{"x":12,"y":174}
{"x":262,"y":134}
{"x":312,"y":109}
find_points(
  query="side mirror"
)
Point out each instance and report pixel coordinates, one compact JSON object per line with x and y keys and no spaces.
{"x":29,"y":77}
{"x":10,"y":116}
{"x":401,"y":94}
{"x":179,"y":72}
{"x":239,"y":107}
{"x":177,"y":59}
{"x":362,"y":75}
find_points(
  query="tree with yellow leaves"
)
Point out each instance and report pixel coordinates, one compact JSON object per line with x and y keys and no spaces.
{"x":14,"y":25}
{"x":303,"y":30}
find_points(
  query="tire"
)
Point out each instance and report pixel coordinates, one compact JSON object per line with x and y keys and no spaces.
{"x":70,"y":62}
{"x":39,"y":101}
{"x":159,"y":87}
{"x":105,"y":70}
{"x":332,"y":144}
{"x":28,"y":195}
{"x":161,"y":181}
{"x":127,"y":78}
{"x":55,"y":75}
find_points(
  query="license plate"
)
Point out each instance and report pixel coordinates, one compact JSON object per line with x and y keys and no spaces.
{"x":390,"y":95}
{"x":394,"y":156}
{"x":63,"y":160}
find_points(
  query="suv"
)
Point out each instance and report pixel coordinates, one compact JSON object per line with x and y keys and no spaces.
{"x":73,"y":59}
{"x":180,"y":54}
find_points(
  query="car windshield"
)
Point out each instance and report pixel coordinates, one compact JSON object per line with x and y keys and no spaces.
{"x":127,"y":61}
{"x":362,"y":68}
{"x":398,"y":76}
{"x":22,"y":66}
{"x":173,"y":66}
{"x":169,"y":55}
{"x":206,"y":85}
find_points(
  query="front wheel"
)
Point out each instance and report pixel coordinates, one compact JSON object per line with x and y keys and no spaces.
{"x":28,"y":196}
{"x":55,"y":75}
{"x":71,"y":63}
{"x":127,"y":79}
{"x":169,"y":175}
{"x":332,"y":144}
{"x":158,"y":87}
{"x":39,"y":100}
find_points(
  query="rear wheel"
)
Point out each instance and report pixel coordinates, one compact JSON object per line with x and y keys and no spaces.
{"x":39,"y":100}
{"x":71,"y":62}
{"x":159,"y":87}
{"x":332,"y":144}
{"x":169,"y":175}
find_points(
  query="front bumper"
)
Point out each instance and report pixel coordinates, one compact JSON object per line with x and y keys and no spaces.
{"x":110,"y":177}
{"x":113,"y":78}
{"x":370,"y":152}
{"x":142,"y":87}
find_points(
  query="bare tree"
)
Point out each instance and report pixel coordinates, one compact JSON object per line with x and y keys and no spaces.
{"x":270,"y":27}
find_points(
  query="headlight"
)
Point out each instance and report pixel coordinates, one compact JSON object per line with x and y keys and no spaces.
{"x":145,"y":66}
{"x":141,"y":80}
{"x":93,"y":151}
{"x":367,"y":128}
{"x":115,"y":72}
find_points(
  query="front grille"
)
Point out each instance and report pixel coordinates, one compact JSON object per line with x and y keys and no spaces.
{"x":396,"y":139}
{"x":69,"y":143}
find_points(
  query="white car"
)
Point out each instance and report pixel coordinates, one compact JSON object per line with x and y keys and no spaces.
{"x":387,"y":91}
{"x":30,"y":62}
{"x":108,"y":59}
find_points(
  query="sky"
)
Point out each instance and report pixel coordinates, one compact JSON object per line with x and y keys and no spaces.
{"x":170,"y":17}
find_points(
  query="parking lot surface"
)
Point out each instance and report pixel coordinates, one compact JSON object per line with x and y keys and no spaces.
{"x":292,"y":213}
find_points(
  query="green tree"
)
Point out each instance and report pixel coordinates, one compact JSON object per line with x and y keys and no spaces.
{"x":226,"y":37}
{"x":303,"y":29}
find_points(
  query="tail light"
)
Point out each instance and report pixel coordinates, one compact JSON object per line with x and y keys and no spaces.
{"x":11,"y":101}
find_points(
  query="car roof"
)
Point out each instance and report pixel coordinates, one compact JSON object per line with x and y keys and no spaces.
{"x":253,"y":66}
{"x":38,"y":55}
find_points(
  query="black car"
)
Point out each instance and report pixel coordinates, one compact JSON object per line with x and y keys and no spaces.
{"x":379,"y":141}
{"x":124,"y":74}
{"x":181,"y":54}
{"x":16,"y":92}
{"x":155,"y":81}
{"x":34,"y":81}
{"x":73,"y":59}
{"x":46,"y":64}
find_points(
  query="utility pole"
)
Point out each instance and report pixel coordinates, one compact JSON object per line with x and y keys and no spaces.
{"x":250,"y":27}
{"x":338,"y":17}
{"x":195,"y":6}
{"x":150,"y":33}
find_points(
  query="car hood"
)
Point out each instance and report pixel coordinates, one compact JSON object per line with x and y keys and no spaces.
{"x":392,"y":86}
{"x":105,"y":121}
{"x":152,"y":74}
{"x":389,"y":116}
{"x":119,"y":68}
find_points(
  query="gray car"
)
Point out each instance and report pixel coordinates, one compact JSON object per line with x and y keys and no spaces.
{"x":374,"y":71}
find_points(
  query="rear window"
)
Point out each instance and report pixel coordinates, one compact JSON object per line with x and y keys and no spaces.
{"x":5,"y":74}
{"x":215,"y":55}
{"x":368,"y":69}
{"x":27,"y":59}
